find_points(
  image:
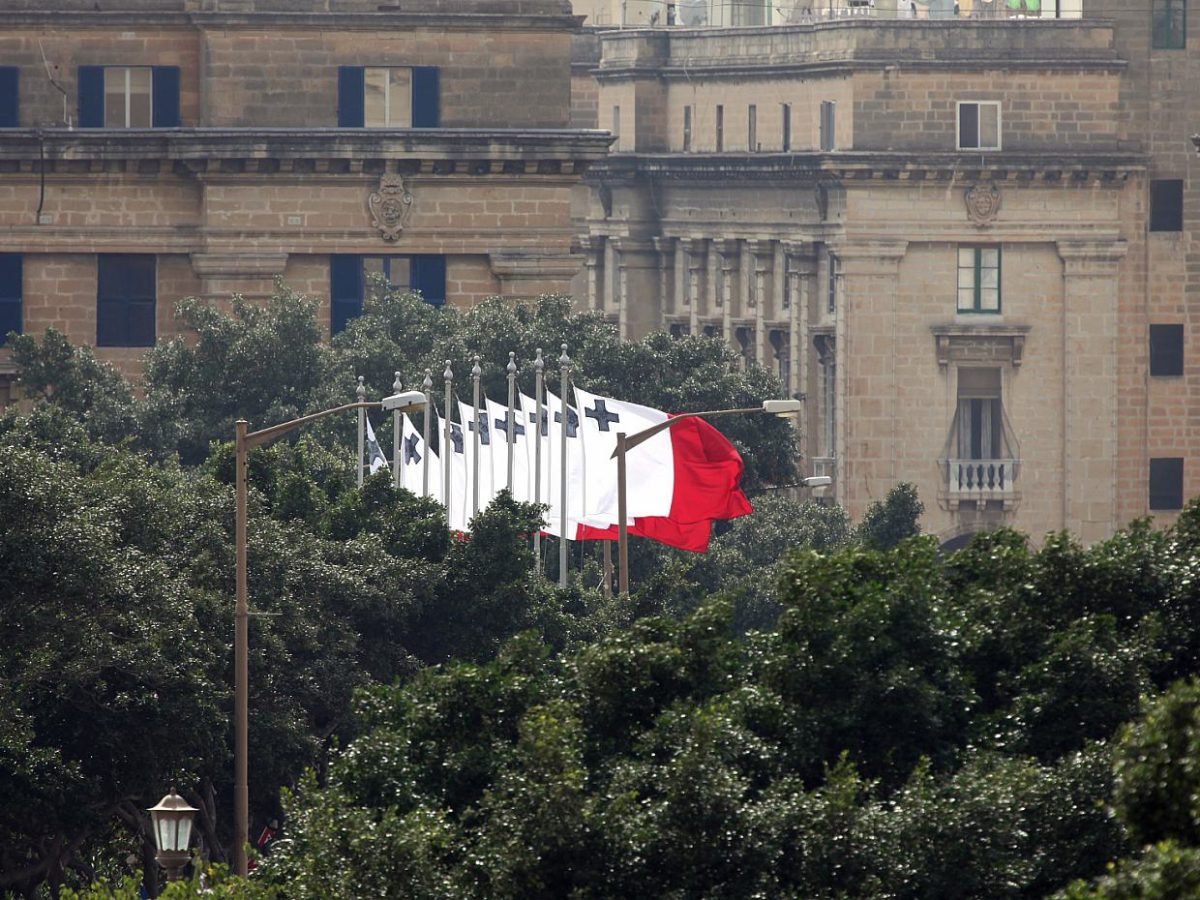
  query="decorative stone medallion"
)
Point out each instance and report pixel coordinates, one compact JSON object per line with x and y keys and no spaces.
{"x":390,"y":206}
{"x":983,"y":204}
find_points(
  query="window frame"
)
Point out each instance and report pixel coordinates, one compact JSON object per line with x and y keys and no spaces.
{"x":12,"y":294}
{"x":687,"y":129}
{"x":1167,"y":350}
{"x":1169,"y":38}
{"x":1166,"y":199}
{"x":827,"y":127}
{"x":1169,"y":498}
{"x":425,"y":106}
{"x":348,"y":282}
{"x":958,"y":124}
{"x":786,"y":127}
{"x":93,"y":96}
{"x":752,"y":127}
{"x":720,"y":122}
{"x":977,"y":280}
{"x":115,"y":325}
{"x":10,"y":96}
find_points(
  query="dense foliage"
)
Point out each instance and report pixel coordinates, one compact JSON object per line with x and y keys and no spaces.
{"x":811,"y":709}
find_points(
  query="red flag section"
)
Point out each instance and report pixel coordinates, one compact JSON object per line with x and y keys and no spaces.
{"x":708,"y":474}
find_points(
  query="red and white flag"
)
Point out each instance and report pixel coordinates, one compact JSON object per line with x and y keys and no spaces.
{"x":677,"y":482}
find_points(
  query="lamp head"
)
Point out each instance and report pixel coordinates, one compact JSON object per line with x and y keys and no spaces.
{"x":408,"y":401}
{"x":782,"y":408}
{"x":814,"y":481}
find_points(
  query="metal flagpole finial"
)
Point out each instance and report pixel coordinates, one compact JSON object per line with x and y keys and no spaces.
{"x":448,"y":375}
{"x":361,"y":390}
{"x":475,"y":370}
{"x":397,"y":385}
{"x":539,"y":364}
{"x":511,"y":368}
{"x":428,"y":382}
{"x":564,"y":359}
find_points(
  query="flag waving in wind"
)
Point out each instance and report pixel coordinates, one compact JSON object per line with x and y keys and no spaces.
{"x":375,"y":458}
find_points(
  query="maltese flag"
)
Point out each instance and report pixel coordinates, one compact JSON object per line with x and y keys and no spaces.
{"x":677,"y":482}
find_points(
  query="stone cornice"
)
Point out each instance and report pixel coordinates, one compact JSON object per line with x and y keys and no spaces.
{"x":325,"y":21}
{"x":338,"y":150}
{"x":867,"y":166}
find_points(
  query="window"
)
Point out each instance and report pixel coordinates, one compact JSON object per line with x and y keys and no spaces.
{"x":979,"y":126}
{"x":616,"y":125}
{"x":979,"y":430}
{"x":1169,"y":24}
{"x":787,"y":127}
{"x":125,"y":300}
{"x":129,"y":97}
{"x":1166,"y":483}
{"x":11,"y":313}
{"x":349,"y":280}
{"x":389,"y":97}
{"x":720,"y":129}
{"x":1166,"y":204}
{"x":687,"y":129}
{"x":1166,"y":350}
{"x":10,"y":79}
{"x":979,"y":279}
{"x":831,"y":299}
{"x":828,"y":125}
{"x":752,"y":128}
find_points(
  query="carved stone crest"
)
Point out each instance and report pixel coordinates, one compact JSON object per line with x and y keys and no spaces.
{"x":983,"y":204}
{"x":390,"y":206}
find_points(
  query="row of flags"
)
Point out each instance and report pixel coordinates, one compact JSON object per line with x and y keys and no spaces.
{"x":679,"y":481}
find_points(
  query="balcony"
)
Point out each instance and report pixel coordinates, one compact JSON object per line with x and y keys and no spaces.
{"x":981,"y":479}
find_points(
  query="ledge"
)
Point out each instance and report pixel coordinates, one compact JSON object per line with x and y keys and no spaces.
{"x":979,"y":343}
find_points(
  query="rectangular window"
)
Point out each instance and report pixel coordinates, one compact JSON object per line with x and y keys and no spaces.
{"x":687,"y":129}
{"x":10,"y":80}
{"x":1169,"y":24}
{"x":1166,"y":483}
{"x":350,"y":279}
{"x":11,"y":289}
{"x":787,"y":128}
{"x":616,"y":126}
{"x":831,"y":304}
{"x":1166,"y":350}
{"x":129,"y":97}
{"x":1166,"y":204}
{"x":126,"y":291}
{"x":979,"y":125}
{"x":389,"y":97}
{"x":978,"y":279}
{"x":828,"y":136}
{"x":979,"y":430}
{"x":720,"y":129}
{"x":752,"y":128}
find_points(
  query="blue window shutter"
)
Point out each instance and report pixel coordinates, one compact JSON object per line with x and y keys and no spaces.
{"x":126,"y":300}
{"x":345,"y":290}
{"x":10,"y":77}
{"x":351,"y":113}
{"x":11,"y":315}
{"x":91,"y":96}
{"x":427,"y":97}
{"x":429,"y":277}
{"x":166,"y":97}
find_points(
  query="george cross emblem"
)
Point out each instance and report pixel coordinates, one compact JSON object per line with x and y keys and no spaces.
{"x":519,"y":429}
{"x":545,"y":421}
{"x":485,"y":433}
{"x":572,"y":421}
{"x":600,"y":413}
{"x":410,"y":450}
{"x":456,"y":438}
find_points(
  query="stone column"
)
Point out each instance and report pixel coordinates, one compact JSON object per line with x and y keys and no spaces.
{"x":712,"y":279}
{"x":729,"y":252}
{"x":666,"y":267}
{"x":762,"y":253}
{"x":864,"y":327}
{"x":696,"y":264}
{"x":794,"y":296}
{"x":1089,"y":352}
{"x":592,"y":248}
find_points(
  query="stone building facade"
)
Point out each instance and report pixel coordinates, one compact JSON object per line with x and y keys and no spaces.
{"x":958,"y":239}
{"x":156,"y":149}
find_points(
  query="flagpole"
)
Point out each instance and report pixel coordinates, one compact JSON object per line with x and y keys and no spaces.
{"x":427,"y":384}
{"x":564,"y":363}
{"x":476,"y":374}
{"x":511,"y":431}
{"x":447,"y":447}
{"x":539,"y":366}
{"x":397,"y":386}
{"x":361,"y":393}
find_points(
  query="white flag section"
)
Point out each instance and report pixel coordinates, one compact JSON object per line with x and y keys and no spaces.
{"x":649,"y":468}
{"x":375,"y":458}
{"x":501,"y":438}
{"x":539,"y":489}
{"x":575,"y":471}
{"x":473,"y":421}
{"x":460,"y":494}
{"x":413,"y":456}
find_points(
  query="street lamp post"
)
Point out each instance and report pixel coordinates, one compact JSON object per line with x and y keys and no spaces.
{"x":247,"y":441}
{"x":781,"y":408}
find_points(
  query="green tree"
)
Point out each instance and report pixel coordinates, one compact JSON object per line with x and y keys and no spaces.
{"x":889,"y":521}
